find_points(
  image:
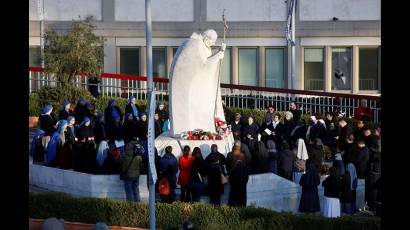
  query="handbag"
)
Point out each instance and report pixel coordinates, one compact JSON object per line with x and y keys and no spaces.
{"x":123,"y":174}
{"x":163,"y":187}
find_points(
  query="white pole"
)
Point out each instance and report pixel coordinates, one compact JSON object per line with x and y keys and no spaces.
{"x":151,"y":131}
{"x":293,"y":61}
{"x":40,"y":9}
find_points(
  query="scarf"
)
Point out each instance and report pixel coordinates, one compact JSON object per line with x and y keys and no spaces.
{"x":134,"y":110}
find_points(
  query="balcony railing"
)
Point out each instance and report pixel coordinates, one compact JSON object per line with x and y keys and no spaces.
{"x":118,"y":85}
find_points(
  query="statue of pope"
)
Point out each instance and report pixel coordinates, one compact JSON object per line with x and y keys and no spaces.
{"x":195,"y":96}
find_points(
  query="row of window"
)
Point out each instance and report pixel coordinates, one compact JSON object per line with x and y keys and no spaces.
{"x":275,"y":66}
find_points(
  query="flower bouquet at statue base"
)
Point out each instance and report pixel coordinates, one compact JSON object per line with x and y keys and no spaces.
{"x":198,"y":134}
{"x":222,"y":128}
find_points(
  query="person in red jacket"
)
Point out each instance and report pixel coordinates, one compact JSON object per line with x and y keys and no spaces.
{"x":363,"y":112}
{"x":184,"y":165}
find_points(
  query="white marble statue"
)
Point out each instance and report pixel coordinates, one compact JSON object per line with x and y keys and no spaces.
{"x":194,"y":85}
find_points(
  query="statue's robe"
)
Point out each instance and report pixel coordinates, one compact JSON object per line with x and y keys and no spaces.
{"x":194,"y":88}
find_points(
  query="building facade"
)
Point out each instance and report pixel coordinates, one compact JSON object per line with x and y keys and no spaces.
{"x":334,"y":38}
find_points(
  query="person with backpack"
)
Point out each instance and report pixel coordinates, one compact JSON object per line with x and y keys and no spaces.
{"x":131,"y":166}
{"x":168,"y":168}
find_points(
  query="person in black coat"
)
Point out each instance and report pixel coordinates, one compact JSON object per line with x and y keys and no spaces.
{"x":130,"y":128}
{"x":115,"y":131}
{"x":47,"y":121}
{"x":315,"y":152}
{"x":297,"y":114}
{"x":330,"y":138}
{"x":93,"y":85}
{"x":65,"y":110}
{"x":288,"y":126}
{"x":350,"y":152}
{"x":250,"y":134}
{"x":214,"y":164}
{"x":112,"y":111}
{"x":330,"y":119}
{"x":348,"y":190}
{"x":100,"y":129}
{"x":236,"y":127}
{"x":332,"y":189}
{"x":85,"y":130}
{"x":285,"y":164}
{"x":298,"y":132}
{"x":81,"y":110}
{"x":238,"y":178}
{"x":162,"y":112}
{"x":343,"y":132}
{"x":143,"y":127}
{"x":362,"y":158}
{"x":168,"y":167}
{"x":196,"y":184}
{"x":133,"y":108}
{"x":309,"y":200}
{"x":358,"y":131}
{"x":84,"y":156}
{"x":158,"y":125}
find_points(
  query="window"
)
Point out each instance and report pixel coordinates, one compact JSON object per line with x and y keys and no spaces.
{"x":34,"y":56}
{"x":130,"y":61}
{"x":159,"y":68}
{"x":313,"y":69}
{"x":226,"y":67}
{"x":248,"y":66}
{"x":274,"y":67}
{"x":341,"y":68}
{"x":368,"y":68}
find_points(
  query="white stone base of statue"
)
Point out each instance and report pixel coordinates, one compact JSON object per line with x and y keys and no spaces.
{"x":177,"y":144}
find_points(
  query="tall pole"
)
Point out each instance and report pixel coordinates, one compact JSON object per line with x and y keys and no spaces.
{"x":293,"y":60}
{"x":151,"y":131}
{"x":40,"y":9}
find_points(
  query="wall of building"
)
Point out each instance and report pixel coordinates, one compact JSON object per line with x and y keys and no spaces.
{"x":66,"y":10}
{"x":162,"y":10}
{"x":345,"y":10}
{"x":245,"y":10}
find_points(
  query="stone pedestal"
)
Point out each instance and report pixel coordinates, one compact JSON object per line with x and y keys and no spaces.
{"x":177,"y":144}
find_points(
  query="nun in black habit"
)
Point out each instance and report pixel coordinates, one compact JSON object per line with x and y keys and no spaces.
{"x":309,"y":201}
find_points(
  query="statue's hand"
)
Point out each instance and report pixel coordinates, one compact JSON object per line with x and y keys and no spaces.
{"x":223,"y":46}
{"x":221,"y":55}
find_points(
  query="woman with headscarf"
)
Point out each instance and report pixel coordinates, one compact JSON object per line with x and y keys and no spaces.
{"x":37,"y":149}
{"x":100,"y":129}
{"x":331,"y":202}
{"x":300,"y":160}
{"x":112,"y":111}
{"x":162,"y":112}
{"x":238,"y":178}
{"x":46,"y":123}
{"x":81,"y":110}
{"x":57,"y":141}
{"x":197,"y":173}
{"x":85,"y":129}
{"x":115,"y":131}
{"x":65,"y":110}
{"x":309,"y":200}
{"x":349,"y":186}
{"x":130,"y":128}
{"x":132,"y":108}
{"x":65,"y":160}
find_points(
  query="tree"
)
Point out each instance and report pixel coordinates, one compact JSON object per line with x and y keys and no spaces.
{"x":77,"y":52}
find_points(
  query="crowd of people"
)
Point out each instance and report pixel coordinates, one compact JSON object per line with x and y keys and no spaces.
{"x":113,"y":143}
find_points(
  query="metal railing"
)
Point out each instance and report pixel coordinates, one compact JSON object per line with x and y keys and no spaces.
{"x":118,"y":85}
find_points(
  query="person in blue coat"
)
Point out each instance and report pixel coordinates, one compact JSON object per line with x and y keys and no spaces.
{"x":37,"y":149}
{"x":132,"y":108}
{"x":56,"y":142}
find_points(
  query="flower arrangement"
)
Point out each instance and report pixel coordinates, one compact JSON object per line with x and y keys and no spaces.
{"x":222,"y":130}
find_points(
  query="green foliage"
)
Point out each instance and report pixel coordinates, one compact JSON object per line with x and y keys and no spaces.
{"x":171,"y":216}
{"x":55,"y":96}
{"x":34,"y":107}
{"x":79,"y":51}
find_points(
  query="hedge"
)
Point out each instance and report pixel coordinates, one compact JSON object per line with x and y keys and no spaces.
{"x":171,"y":216}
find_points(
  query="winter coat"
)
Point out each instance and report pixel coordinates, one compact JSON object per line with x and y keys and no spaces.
{"x":184,"y":165}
